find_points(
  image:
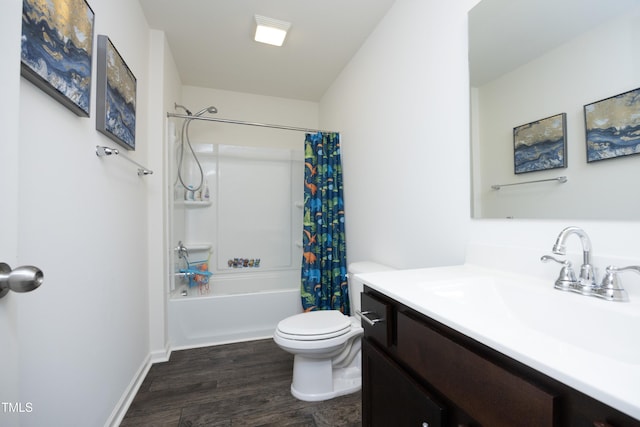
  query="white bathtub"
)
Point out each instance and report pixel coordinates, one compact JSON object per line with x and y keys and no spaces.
{"x":238,"y":307}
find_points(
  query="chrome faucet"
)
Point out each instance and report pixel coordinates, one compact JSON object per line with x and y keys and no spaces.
{"x":587,"y":275}
{"x":610,"y":289}
{"x":182,"y":250}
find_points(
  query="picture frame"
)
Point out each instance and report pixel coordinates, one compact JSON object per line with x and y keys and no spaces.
{"x":540,"y":145}
{"x":612,"y":126}
{"x":115,"y":96}
{"x":57,"y":49}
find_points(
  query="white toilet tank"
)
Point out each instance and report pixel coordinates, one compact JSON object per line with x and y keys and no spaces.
{"x":355,"y":285}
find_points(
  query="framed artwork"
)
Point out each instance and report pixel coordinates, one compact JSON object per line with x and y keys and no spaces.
{"x":56,"y":50}
{"x":613,"y":126}
{"x":115,"y":96}
{"x":540,"y":145}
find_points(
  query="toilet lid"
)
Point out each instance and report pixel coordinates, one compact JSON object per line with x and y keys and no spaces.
{"x":316,"y":324}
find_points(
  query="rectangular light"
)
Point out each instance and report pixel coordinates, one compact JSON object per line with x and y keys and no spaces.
{"x":271,"y":31}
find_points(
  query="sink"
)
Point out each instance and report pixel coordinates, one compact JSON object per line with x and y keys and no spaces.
{"x":534,"y":308}
{"x":587,"y":343}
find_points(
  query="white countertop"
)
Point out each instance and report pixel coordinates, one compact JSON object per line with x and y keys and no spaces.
{"x":587,"y":343}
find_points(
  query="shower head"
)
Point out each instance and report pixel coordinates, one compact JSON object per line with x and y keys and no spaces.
{"x":176,"y":106}
{"x":210,"y":110}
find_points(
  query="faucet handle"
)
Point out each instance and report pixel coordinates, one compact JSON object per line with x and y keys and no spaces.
{"x":182,"y":250}
{"x":566,"y":280}
{"x":611,"y":288}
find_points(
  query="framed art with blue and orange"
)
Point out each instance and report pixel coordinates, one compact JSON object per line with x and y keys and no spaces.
{"x":115,"y":96}
{"x":540,"y":145}
{"x":613,"y":126}
{"x":56,"y":50}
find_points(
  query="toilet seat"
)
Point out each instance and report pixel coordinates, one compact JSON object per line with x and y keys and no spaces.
{"x":314,"y":325}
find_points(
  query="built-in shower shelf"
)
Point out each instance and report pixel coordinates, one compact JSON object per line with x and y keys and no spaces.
{"x":198,"y":247}
{"x":197,"y":203}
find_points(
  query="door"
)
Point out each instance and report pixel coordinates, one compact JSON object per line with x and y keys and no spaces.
{"x":391,"y":397}
{"x":10,"y":30}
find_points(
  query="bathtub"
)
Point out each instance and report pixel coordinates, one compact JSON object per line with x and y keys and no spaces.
{"x":236,"y":307}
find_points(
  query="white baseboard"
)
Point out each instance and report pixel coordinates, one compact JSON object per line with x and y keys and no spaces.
{"x":161,"y":355}
{"x":127,"y":397}
{"x":130,"y":393}
{"x":222,"y":340}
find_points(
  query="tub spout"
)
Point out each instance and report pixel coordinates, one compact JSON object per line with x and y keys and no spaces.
{"x":185,"y":274}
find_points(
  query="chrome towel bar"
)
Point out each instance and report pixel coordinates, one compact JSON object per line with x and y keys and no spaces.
{"x":102,"y":151}
{"x":560,"y":179}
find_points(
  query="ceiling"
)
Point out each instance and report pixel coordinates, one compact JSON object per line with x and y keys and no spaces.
{"x":533,"y":28}
{"x":212,"y":42}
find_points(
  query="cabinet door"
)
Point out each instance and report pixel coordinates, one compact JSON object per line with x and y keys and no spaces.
{"x":390,"y":397}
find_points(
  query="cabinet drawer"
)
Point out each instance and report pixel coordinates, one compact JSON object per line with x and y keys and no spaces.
{"x":380,"y":314}
{"x":491,"y":395}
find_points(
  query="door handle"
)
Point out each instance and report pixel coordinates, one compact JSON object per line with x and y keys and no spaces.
{"x":22,"y":279}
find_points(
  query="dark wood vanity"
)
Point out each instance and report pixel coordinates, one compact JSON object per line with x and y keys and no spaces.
{"x":419,"y":372}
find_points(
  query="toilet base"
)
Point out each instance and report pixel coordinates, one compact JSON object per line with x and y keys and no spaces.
{"x":316,"y":379}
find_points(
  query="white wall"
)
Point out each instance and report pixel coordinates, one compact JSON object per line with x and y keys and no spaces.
{"x":166,"y":85}
{"x":596,"y":65}
{"x":402,"y":105}
{"x":83,"y":336}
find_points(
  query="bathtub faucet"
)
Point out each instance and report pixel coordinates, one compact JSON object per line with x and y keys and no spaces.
{"x":587,"y":275}
{"x":182,"y":250}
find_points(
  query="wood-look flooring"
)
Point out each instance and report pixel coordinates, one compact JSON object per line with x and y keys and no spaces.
{"x":241,"y":384}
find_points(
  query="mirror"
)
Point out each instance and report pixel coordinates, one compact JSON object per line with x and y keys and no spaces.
{"x":533,"y":59}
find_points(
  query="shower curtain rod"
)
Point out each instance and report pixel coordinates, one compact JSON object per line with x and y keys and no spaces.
{"x":240,"y":122}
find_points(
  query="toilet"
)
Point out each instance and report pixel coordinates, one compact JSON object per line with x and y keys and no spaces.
{"x":326,"y":345}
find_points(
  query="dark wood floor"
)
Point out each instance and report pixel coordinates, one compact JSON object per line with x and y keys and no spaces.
{"x":242,"y":384}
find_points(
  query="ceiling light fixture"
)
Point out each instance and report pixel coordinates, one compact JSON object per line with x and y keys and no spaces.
{"x":271,"y":31}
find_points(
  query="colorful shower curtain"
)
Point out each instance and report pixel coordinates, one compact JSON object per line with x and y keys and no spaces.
{"x":324,"y":260}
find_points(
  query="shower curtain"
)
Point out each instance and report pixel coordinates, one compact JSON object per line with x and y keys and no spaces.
{"x":324,"y":263}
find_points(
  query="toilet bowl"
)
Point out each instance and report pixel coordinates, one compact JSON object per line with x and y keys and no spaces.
{"x":326,"y":345}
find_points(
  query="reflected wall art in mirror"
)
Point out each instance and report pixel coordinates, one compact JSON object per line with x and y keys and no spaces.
{"x":519,"y":74}
{"x":613,"y":126}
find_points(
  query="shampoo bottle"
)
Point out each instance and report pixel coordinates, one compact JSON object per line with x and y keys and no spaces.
{"x":205,"y":191}
{"x":188,"y":193}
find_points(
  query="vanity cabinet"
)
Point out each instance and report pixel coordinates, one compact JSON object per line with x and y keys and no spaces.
{"x":419,"y":372}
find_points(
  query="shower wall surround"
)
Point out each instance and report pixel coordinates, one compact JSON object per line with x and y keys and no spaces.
{"x":242,"y":303}
{"x":253,"y":212}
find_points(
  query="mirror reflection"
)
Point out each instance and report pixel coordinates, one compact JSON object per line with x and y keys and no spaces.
{"x":534,"y":59}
